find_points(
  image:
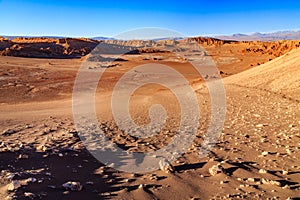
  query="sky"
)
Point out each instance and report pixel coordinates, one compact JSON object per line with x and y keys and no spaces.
{"x":90,"y":18}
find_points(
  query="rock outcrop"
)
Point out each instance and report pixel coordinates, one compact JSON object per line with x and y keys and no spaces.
{"x":47,"y":47}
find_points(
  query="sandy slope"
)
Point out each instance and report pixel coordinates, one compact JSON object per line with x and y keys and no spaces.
{"x":281,"y":76}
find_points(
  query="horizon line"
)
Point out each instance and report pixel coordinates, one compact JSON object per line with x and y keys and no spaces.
{"x":112,"y":37}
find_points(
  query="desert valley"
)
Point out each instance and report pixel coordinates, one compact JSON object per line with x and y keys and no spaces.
{"x":255,"y":157}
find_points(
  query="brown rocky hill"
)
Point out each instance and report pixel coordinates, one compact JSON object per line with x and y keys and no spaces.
{"x":4,"y":43}
{"x":210,"y":41}
{"x":47,"y":47}
{"x":276,"y":48}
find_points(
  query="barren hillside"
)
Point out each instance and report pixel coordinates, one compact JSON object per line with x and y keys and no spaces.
{"x":281,"y":76}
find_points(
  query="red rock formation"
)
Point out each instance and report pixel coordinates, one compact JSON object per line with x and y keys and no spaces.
{"x":47,"y":47}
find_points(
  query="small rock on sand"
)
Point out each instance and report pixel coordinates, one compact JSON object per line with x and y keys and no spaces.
{"x":73,"y":186}
{"x":262,"y":171}
{"x":8,"y":132}
{"x":166,"y":166}
{"x":216,"y":169}
{"x":14,"y":185}
{"x":29,"y":194}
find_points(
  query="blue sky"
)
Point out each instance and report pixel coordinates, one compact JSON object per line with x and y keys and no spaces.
{"x":89,"y":18}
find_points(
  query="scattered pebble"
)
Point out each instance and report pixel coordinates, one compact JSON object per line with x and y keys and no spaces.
{"x":251,"y":179}
{"x":259,"y":125}
{"x":216,"y":169}
{"x":90,"y":183}
{"x":29,"y":194}
{"x":14,"y":185}
{"x":66,"y":192}
{"x":41,"y":148}
{"x":52,"y":186}
{"x":262,"y":171}
{"x":8,"y":132}
{"x":166,"y":166}
{"x":141,"y":186}
{"x":23,"y":156}
{"x":285,"y":172}
{"x":73,"y":186}
{"x":10,"y":176}
{"x":30,"y":180}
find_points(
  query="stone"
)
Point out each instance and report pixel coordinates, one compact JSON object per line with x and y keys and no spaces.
{"x":277,"y":183}
{"x":52,"y":186}
{"x":66,"y":192}
{"x":265,"y":181}
{"x":10,"y":176}
{"x":285,"y":172}
{"x":41,"y":148}
{"x":251,"y":179}
{"x":23,"y":156}
{"x":262,"y":171}
{"x":73,"y":186}
{"x":153,"y":177}
{"x":216,"y":169}
{"x":166,"y":166}
{"x":30,"y":180}
{"x":8,"y":132}
{"x":29,"y":194}
{"x":14,"y":185}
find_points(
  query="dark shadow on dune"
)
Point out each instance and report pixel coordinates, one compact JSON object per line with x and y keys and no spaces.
{"x":231,"y":170}
{"x":289,"y":183}
{"x":246,"y":165}
{"x":146,"y":188}
{"x":53,"y":171}
{"x":298,"y":172}
{"x":99,"y":58}
{"x":238,"y":165}
{"x":190,"y":166}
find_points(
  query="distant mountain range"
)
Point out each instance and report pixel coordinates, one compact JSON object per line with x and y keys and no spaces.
{"x":54,"y":37}
{"x":13,"y":37}
{"x":280,"y":35}
{"x":102,"y":38}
